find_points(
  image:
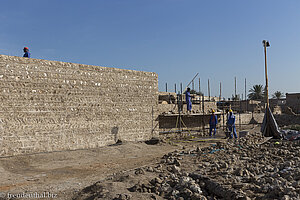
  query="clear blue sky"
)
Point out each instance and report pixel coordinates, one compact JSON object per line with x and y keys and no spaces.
{"x":174,"y":38}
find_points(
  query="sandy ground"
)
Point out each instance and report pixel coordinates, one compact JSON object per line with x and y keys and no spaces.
{"x":65,"y":173}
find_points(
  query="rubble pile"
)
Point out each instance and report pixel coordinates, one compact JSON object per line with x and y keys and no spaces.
{"x":267,"y":171}
{"x":171,"y":186}
{"x":251,"y":168}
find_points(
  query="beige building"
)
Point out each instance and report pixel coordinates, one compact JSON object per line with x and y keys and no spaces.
{"x":243,"y":106}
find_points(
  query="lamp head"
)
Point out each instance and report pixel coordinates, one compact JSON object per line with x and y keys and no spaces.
{"x":266,"y":43}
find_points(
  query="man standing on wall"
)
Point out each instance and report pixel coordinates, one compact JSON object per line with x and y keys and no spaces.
{"x":188,"y":100}
{"x":213,"y":121}
{"x":26,"y":52}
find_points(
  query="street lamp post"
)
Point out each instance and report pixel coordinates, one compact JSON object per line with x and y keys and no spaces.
{"x":266,"y":44}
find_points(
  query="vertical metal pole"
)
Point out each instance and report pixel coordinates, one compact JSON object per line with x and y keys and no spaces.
{"x":266,"y":72}
{"x":180,"y":88}
{"x":235,"y":88}
{"x":246,"y":95}
{"x":179,"y":112}
{"x":203,"y":103}
{"x":242,"y":99}
{"x":223,"y":120}
{"x":203,"y":125}
{"x":175,"y":89}
{"x":220,"y":91}
{"x":166,"y":87}
{"x":267,"y":91}
{"x":200,"y":103}
{"x":181,"y":105}
{"x":240,"y":115}
{"x":208,"y":91}
{"x":199,"y":87}
{"x":199,"y":96}
{"x":193,"y":85}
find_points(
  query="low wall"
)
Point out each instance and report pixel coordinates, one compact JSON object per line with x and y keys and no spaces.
{"x":197,"y":108}
{"x":51,"y":106}
{"x":188,"y":121}
{"x":284,"y":120}
{"x":246,"y":118}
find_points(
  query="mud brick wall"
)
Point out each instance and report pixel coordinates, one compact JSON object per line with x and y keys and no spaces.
{"x":246,"y":118}
{"x":51,"y":106}
{"x":293,"y":101}
{"x":208,"y":106}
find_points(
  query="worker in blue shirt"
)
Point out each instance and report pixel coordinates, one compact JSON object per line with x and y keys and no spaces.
{"x":26,"y":52}
{"x":213,"y":121}
{"x":231,"y":124}
{"x":188,"y":100}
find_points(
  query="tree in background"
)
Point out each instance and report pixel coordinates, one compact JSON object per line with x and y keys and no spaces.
{"x":264,"y":93}
{"x":256,"y":92}
{"x":236,"y":98}
{"x":278,"y":95}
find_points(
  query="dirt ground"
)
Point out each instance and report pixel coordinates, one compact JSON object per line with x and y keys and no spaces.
{"x":253,"y":167}
{"x":64,"y":174}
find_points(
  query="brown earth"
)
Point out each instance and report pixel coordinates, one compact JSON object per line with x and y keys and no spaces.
{"x":254,"y":167}
{"x":65,"y":173}
{"x":103,"y":172}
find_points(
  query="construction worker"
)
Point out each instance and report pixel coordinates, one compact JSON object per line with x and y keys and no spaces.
{"x":231,"y":124}
{"x":26,"y":52}
{"x":188,"y":100}
{"x":213,"y":121}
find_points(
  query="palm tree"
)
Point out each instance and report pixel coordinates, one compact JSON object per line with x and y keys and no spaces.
{"x":278,"y":95}
{"x":264,"y":93}
{"x":256,"y":92}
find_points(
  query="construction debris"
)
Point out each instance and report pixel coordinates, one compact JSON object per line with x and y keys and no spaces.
{"x":270,"y":128}
{"x":252,"y":168}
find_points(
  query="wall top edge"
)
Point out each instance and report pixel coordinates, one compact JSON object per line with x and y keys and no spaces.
{"x":51,"y":62}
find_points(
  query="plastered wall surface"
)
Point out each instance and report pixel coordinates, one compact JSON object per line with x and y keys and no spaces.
{"x":51,"y":106}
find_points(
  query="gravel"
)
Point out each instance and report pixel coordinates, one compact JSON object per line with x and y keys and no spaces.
{"x":251,"y":168}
